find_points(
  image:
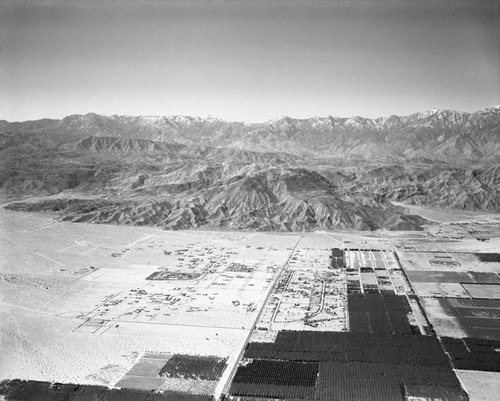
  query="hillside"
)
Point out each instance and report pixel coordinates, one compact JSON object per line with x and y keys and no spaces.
{"x":285,"y":174}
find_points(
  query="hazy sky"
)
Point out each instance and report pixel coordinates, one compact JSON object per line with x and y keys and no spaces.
{"x":247,"y":60}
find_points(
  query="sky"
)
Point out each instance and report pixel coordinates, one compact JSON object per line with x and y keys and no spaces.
{"x":247,"y":60}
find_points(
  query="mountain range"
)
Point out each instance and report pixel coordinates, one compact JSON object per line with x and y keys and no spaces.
{"x":283,"y":175}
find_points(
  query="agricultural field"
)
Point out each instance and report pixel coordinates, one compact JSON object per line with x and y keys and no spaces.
{"x":210,"y":313}
{"x":345,"y":366}
{"x":396,"y":292}
{"x":460,"y":291}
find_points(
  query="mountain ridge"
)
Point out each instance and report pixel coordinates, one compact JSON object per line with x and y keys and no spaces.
{"x":283,"y":175}
{"x":443,"y":134}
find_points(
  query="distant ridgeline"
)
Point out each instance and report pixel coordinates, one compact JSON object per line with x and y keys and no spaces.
{"x":282,"y":175}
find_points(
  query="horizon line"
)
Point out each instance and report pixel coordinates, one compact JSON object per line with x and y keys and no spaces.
{"x":209,"y":116}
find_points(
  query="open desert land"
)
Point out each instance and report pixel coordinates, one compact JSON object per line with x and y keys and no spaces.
{"x":480,"y":385}
{"x":77,"y":305}
{"x":115,"y":305}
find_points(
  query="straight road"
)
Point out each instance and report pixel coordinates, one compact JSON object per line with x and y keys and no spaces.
{"x":271,"y":290}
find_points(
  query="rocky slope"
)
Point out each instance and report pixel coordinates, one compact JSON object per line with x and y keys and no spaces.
{"x":252,"y":197}
{"x":285,"y":174}
{"x":434,"y":134}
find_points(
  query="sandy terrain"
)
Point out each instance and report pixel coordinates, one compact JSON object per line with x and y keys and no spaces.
{"x":481,"y":386}
{"x":445,"y":325}
{"x":77,"y":302}
{"x":76,"y":305}
{"x":443,"y":215}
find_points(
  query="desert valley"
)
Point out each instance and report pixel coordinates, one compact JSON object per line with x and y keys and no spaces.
{"x":179,"y":258}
